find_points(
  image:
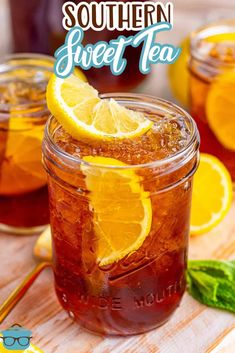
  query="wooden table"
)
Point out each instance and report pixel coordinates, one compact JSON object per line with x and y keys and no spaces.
{"x":194,"y":328}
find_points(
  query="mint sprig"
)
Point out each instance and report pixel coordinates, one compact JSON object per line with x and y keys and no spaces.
{"x":212,"y":282}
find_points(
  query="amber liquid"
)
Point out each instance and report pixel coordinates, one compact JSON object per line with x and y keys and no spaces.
{"x":28,"y":210}
{"x":203,"y":74}
{"x":23,"y":189}
{"x":134,"y":295}
{"x":23,"y":209}
{"x":138,"y":292}
{"x":199,"y":89}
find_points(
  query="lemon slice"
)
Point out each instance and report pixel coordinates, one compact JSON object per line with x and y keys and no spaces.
{"x":212,"y":194}
{"x":21,"y":168}
{"x":220,"y":108}
{"x":221,"y":37}
{"x":81,"y":112}
{"x":122,"y":209}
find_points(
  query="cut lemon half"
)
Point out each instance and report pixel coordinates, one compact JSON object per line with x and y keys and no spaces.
{"x":212,"y":194}
{"x":122,"y":209}
{"x":220,"y":108}
{"x":81,"y":112}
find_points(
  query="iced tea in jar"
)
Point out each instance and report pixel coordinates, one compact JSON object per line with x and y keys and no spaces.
{"x":120,"y":214}
{"x":212,"y":89}
{"x":23,"y":114}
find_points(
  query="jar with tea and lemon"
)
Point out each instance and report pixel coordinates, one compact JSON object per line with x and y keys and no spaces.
{"x":23,"y":114}
{"x":212,"y":89}
{"x":117,"y":166}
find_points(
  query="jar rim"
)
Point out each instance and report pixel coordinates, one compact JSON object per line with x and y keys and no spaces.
{"x":187,"y":151}
{"x":27,"y":56}
{"x":16,"y":61}
{"x":203,"y":32}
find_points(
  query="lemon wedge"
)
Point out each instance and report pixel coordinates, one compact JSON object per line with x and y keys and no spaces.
{"x":220,"y":108}
{"x":21,"y":168}
{"x":122,"y":209}
{"x":212,"y":194}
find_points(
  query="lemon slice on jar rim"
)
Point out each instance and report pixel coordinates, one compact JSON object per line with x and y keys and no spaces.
{"x":81,"y":112}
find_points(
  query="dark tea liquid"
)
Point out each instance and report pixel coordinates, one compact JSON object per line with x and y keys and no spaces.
{"x":199,"y":88}
{"x":23,"y":190}
{"x":25,"y":211}
{"x":141,"y":290}
{"x":211,"y":89}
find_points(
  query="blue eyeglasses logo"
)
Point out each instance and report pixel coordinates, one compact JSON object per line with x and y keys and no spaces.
{"x":16,"y":338}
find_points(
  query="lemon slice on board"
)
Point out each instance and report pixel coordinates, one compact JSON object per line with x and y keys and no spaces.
{"x":212,"y":194}
{"x":81,"y":112}
{"x":122,"y":209}
{"x":220,"y":108}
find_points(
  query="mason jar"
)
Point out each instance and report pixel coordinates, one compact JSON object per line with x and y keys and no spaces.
{"x":138,"y":287}
{"x":23,"y":114}
{"x":212,"y":89}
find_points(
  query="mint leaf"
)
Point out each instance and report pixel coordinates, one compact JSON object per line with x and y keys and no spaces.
{"x":212,"y":282}
{"x":214,"y":267}
{"x":207,"y":285}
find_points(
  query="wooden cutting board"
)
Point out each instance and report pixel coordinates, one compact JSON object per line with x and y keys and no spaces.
{"x":194,"y":328}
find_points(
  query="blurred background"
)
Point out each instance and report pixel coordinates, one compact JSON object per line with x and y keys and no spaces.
{"x":16,"y":16}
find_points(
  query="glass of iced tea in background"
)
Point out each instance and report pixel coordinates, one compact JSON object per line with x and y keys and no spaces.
{"x":102,"y":78}
{"x":212,"y":89}
{"x":23,"y":114}
{"x":41,"y":31}
{"x":105,"y":279}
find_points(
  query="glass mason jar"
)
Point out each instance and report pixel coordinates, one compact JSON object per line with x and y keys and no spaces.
{"x":139,"y":291}
{"x":212,"y":89}
{"x":41,"y":31}
{"x":23,"y":114}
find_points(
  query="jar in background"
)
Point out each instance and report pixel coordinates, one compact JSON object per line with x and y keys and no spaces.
{"x":23,"y":114}
{"x":41,"y":31}
{"x":212,"y":89}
